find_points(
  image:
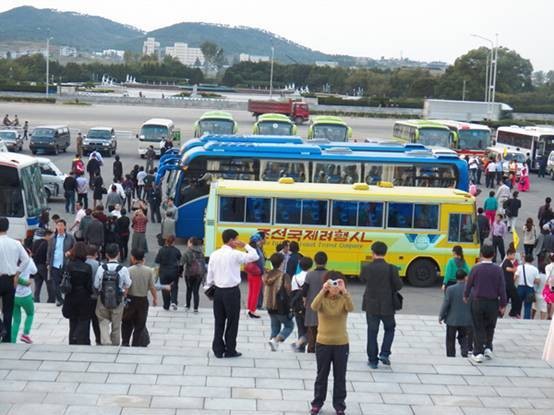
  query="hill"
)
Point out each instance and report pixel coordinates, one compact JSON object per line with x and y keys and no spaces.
{"x":84,"y":32}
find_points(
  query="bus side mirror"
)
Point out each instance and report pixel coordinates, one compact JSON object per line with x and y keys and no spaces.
{"x":349,"y":132}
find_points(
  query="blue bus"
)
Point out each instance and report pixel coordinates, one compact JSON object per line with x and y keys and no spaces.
{"x":189,"y":177}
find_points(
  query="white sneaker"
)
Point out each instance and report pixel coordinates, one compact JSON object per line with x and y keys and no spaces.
{"x":173,"y":306}
{"x":274,"y":344}
{"x":479,"y":358}
{"x":489,"y":354}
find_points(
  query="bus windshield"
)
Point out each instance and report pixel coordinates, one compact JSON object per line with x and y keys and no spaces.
{"x":274,"y":128}
{"x":548,"y":141}
{"x":331,"y":132}
{"x":153,"y":132}
{"x":216,"y":127}
{"x":474,"y":139}
{"x":434,"y":137}
{"x":11,"y":199}
{"x":31,"y":181}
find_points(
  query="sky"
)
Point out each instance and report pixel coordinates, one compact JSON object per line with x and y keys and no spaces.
{"x":424,"y":30}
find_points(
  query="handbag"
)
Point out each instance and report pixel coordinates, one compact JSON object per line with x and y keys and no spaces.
{"x":65,"y":283}
{"x":210,"y":292}
{"x":397,"y":298}
{"x":530,"y":296}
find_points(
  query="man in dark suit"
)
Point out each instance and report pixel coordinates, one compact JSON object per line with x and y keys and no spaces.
{"x":483,"y":226}
{"x":382,"y":282}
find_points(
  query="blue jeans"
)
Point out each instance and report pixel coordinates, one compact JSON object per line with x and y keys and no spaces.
{"x":389,"y":325}
{"x":70,"y":202}
{"x":286,"y":321}
{"x":522,"y":291}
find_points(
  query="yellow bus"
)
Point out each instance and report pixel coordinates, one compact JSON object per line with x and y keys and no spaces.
{"x":419,"y":225}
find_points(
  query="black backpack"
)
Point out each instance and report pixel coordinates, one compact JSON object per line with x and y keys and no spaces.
{"x":197,"y":268}
{"x":111,"y":295}
{"x":282,"y":299}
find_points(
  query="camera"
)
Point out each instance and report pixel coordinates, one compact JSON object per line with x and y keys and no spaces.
{"x":333,"y":283}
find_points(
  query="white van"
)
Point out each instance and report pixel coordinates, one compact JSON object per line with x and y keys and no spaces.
{"x":52,"y":178}
{"x":507,"y":155}
{"x":153,"y":131}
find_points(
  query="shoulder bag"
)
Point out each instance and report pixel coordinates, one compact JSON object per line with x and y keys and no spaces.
{"x":530,"y":297}
{"x":397,"y":299}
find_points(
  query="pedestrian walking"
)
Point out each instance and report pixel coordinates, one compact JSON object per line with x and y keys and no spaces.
{"x":79,"y":144}
{"x":112,"y":282}
{"x":170,"y":207}
{"x":499,"y":170}
{"x":94,"y":165}
{"x":224,"y":275}
{"x":70,"y":188}
{"x":539,"y":305}
{"x":277,"y":302}
{"x":59,"y":247}
{"x":511,"y":210}
{"x":13,"y":260}
{"x":168,"y":225}
{"x":454,"y":264}
{"x":457,"y":315}
{"x":138,"y":223}
{"x":169,"y":258}
{"x":82,"y":186}
{"x":382,"y":284}
{"x":473,"y":168}
{"x":483,"y":226}
{"x":129,"y":189}
{"x":487,"y":289}
{"x":24,"y":301}
{"x":117,"y":168}
{"x":498,"y":231}
{"x":254,"y":272}
{"x":260,"y":240}
{"x":39,"y":250}
{"x":77,"y":305}
{"x":311,"y":288}
{"x":26,"y":130}
{"x":548,"y":351}
{"x":113,"y":198}
{"x":545,"y":214}
{"x":490,"y":206}
{"x":527,"y":276}
{"x":490,"y":174}
{"x":92,"y":260}
{"x":548,"y":291}
{"x":294,"y":258}
{"x":297,"y":303}
{"x":543,"y":161}
{"x":94,"y":233}
{"x":150,"y":157}
{"x":77,"y":166}
{"x":155,"y":201}
{"x":509,"y":269}
{"x":194,"y":267}
{"x":141,"y":175}
{"x":122,"y":231}
{"x":135,"y":313}
{"x":529,"y":236}
{"x":332,"y":304}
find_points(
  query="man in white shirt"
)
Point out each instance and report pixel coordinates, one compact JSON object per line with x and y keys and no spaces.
{"x":79,"y":215}
{"x":140,"y":181}
{"x":111,"y":315}
{"x":491,"y":174}
{"x":224,"y":274}
{"x":526,"y":276}
{"x":13,"y":260}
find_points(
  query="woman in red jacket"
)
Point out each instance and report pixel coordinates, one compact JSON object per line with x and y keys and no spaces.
{"x":254,"y":277}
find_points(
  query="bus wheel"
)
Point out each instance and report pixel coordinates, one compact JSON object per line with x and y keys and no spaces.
{"x":422,"y":273}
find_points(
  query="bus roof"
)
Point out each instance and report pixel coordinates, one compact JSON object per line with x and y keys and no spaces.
{"x":529,"y":131}
{"x":16,"y":160}
{"x":159,"y":121}
{"x":217,"y":115}
{"x":342,"y":191}
{"x":460,"y":125}
{"x":421,"y":123}
{"x":328,"y":119}
{"x":274,"y":117}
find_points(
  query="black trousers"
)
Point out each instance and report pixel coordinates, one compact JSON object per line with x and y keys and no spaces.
{"x":498,"y":245}
{"x":95,"y":323}
{"x":40,"y":278}
{"x":465,"y":339}
{"x":302,"y":331}
{"x":484,"y":314}
{"x":170,"y":297}
{"x":134,"y":320}
{"x":226,"y":307}
{"x":7,"y":294}
{"x":311,"y":332}
{"x":193,"y":287}
{"x":515,"y":301}
{"x":82,"y":198}
{"x":338,"y":357}
{"x":79,"y":331}
{"x":56,"y":279}
{"x":123,"y":242}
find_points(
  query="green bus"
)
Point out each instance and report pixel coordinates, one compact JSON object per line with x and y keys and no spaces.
{"x":428,"y":133}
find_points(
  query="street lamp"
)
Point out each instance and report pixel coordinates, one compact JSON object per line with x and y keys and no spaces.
{"x":491,"y":70}
{"x":47,"y":61}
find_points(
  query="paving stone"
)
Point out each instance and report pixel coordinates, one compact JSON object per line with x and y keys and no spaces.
{"x":42,"y":409}
{"x":257,"y":393}
{"x":93,"y":357}
{"x":86,"y":377}
{"x":104,"y":388}
{"x":12,"y":385}
{"x":4,"y":408}
{"x":381,"y":376}
{"x":424,"y":389}
{"x":175,"y":369}
{"x":150,"y":411}
{"x":450,"y":400}
{"x":32,"y":375}
{"x":406,"y":398}
{"x":438,"y":410}
{"x":71,"y":398}
{"x":19,"y":364}
{"x":136,"y":358}
{"x":231,"y":404}
{"x":124,"y":401}
{"x":519,"y":411}
{"x":505,"y":402}
{"x":181,"y":380}
{"x":131,"y":378}
{"x":156,"y":390}
{"x":472,"y":390}
{"x":45,"y":356}
{"x":486,"y":411}
{"x":208,"y":371}
{"x":542,"y":403}
{"x":246,"y":372}
{"x":205,"y":392}
{"x":456,"y":370}
{"x":286,"y":405}
{"x":112,"y":367}
{"x":92,"y":410}
{"x":65,"y":366}
{"x":35,"y":386}
{"x":517,"y":391}
{"x":175,"y":403}
{"x":385,"y":409}
{"x":488,"y":380}
{"x":22,"y":397}
{"x":374,"y":387}
{"x":225,"y":381}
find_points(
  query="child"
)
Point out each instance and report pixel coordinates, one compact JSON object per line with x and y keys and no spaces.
{"x":457,"y":315}
{"x":332,"y":304}
{"x":24,"y":300}
{"x":297,"y":303}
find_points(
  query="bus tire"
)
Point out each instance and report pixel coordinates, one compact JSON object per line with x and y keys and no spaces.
{"x":422,"y":272}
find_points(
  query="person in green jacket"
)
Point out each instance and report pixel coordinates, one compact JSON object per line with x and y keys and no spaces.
{"x":453,"y":265}
{"x":490,"y":206}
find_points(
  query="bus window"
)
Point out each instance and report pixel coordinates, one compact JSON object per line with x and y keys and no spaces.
{"x":426,"y":216}
{"x":314,"y":212}
{"x":236,"y":169}
{"x":461,"y":228}
{"x":231,"y":209}
{"x":344,"y":213}
{"x":404,"y":176}
{"x":258,"y":210}
{"x":374,"y":173}
{"x":287,"y":211}
{"x":274,"y":170}
{"x":11,"y":200}
{"x":336,"y":173}
{"x":370,"y":214}
{"x":400,"y":215}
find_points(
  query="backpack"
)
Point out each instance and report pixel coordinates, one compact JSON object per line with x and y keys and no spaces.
{"x":65,"y":283}
{"x":282,"y":299}
{"x":197,"y":268}
{"x":110,"y":293}
{"x":297,"y":300}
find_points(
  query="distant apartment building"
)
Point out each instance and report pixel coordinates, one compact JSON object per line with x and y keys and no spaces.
{"x":68,"y":51}
{"x":245,"y":57}
{"x":185,"y":54}
{"x":329,"y":64}
{"x":151,"y":47}
{"x":113,"y":53}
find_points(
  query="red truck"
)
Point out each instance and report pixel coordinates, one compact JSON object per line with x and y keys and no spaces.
{"x":297,"y":111}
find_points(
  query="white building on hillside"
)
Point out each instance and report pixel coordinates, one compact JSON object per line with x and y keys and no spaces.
{"x":245,"y":57}
{"x":68,"y":51}
{"x":113,"y":53}
{"x":151,"y":47}
{"x":185,"y":54}
{"x":330,"y":64}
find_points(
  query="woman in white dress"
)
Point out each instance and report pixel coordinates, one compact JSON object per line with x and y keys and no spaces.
{"x":548,"y":353}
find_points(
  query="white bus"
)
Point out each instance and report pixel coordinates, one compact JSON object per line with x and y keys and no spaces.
{"x":22,"y":196}
{"x":535,"y":141}
{"x":153,"y":131}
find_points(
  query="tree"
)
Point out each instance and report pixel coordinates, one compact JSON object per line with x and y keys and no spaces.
{"x":213,"y":55}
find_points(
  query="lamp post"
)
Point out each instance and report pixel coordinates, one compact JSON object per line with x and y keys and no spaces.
{"x":491,"y":70}
{"x":47,"y":62}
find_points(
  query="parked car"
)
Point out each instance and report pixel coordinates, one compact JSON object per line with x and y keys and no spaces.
{"x":101,"y":139}
{"x":52,"y":178}
{"x":3,"y":147}
{"x":12,"y":138}
{"x":50,"y":138}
